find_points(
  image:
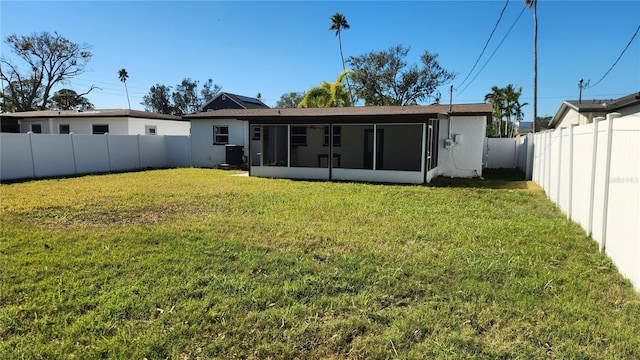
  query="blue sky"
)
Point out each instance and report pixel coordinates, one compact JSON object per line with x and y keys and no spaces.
{"x":272,"y":48}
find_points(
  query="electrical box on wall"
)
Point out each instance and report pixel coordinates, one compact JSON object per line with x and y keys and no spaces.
{"x":457,"y":138}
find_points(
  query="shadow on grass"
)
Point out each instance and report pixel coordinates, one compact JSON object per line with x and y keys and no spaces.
{"x":491,"y":179}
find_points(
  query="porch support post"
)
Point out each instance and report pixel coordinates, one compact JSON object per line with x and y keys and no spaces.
{"x":375,"y":146}
{"x":424,"y":152}
{"x":330,"y":161}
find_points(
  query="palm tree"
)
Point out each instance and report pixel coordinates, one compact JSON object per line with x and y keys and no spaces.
{"x":339,"y":22}
{"x":327,"y":94}
{"x":533,"y":4}
{"x":123,"y":76}
{"x":497,"y":99}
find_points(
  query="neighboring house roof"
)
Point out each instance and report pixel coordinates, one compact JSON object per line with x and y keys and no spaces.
{"x":594,"y":106}
{"x":343,"y":112}
{"x":226,"y":100}
{"x":90,"y":113}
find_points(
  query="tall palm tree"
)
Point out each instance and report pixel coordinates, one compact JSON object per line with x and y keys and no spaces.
{"x":533,"y":4}
{"x":123,"y":76}
{"x":497,"y":99}
{"x":338,"y":23}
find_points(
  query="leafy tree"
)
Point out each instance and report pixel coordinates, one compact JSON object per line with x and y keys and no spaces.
{"x":533,"y":5}
{"x":50,"y":59}
{"x":542,"y":123}
{"x":123,"y":76}
{"x":185,"y":98}
{"x":385,"y":78}
{"x":507,"y":109}
{"x":67,"y":99}
{"x":327,"y":94}
{"x":209,"y":91}
{"x":338,"y":23}
{"x":11,"y":103}
{"x":290,"y":100}
{"x":159,"y":100}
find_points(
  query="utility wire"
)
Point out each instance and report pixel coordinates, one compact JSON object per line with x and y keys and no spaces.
{"x":494,"y":51}
{"x":485,"y":45}
{"x":618,"y":59}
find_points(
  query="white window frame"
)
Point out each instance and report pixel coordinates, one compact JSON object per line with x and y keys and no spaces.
{"x":220,"y":132}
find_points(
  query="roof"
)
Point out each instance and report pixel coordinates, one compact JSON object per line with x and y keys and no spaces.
{"x":353,"y":111}
{"x":594,"y":106}
{"x":90,"y":114}
{"x":245,"y":102}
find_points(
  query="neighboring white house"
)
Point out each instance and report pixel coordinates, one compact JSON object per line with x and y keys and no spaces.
{"x":581,"y":112}
{"x":410,"y":144}
{"x":114,"y":122}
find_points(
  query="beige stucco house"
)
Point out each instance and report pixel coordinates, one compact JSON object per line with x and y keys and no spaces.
{"x":583,"y":112}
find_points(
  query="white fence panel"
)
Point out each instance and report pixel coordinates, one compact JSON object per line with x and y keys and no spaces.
{"x":153,"y":153}
{"x":91,"y":153}
{"x":123,"y":152}
{"x":178,"y":151}
{"x":43,"y":155}
{"x":52,"y":155}
{"x":582,"y":168}
{"x":500,"y":153}
{"x":623,"y":212}
{"x":15,"y":156}
{"x":594,"y":176}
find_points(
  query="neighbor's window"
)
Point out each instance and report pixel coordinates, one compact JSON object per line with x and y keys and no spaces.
{"x":150,"y":130}
{"x":36,"y":128}
{"x":298,"y":136}
{"x":336,"y":136}
{"x":220,"y":135}
{"x":64,"y":129}
{"x":99,"y":129}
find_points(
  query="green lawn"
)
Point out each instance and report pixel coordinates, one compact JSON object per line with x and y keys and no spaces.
{"x":194,"y":263}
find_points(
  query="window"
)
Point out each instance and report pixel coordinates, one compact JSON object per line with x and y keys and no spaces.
{"x":99,"y":129}
{"x":256,"y":133}
{"x":36,"y":128}
{"x":220,"y":135}
{"x":150,"y":130}
{"x":336,"y":136}
{"x":298,"y":136}
{"x":64,"y":129}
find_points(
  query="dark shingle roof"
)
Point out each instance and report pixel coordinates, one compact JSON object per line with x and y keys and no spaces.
{"x":595,"y":106}
{"x":90,"y":113}
{"x":457,"y":109}
{"x":245,"y":102}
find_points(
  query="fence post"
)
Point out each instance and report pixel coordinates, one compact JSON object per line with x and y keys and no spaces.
{"x":33,"y":163}
{"x":108,"y":151}
{"x":73,"y":151}
{"x":570,"y":206}
{"x":594,"y":156}
{"x":139,"y":156}
{"x":607,"y":177}
{"x":558,"y":203}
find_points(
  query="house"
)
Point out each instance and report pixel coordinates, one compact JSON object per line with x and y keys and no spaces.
{"x":410,"y":144}
{"x":225,"y":100}
{"x":115,"y":122}
{"x":581,"y":112}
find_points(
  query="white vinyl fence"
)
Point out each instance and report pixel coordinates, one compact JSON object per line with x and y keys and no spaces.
{"x":592,"y":172}
{"x":44,"y":155}
{"x":509,"y":153}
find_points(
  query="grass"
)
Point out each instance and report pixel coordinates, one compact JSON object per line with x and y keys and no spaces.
{"x":193,"y":263}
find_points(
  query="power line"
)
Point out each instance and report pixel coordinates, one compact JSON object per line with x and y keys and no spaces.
{"x":494,"y":51}
{"x":618,"y":59}
{"x":485,"y":45}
